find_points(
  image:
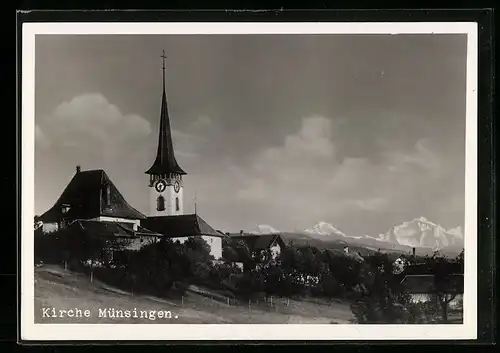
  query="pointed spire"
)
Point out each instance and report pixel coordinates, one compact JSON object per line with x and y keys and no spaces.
{"x":165,"y":161}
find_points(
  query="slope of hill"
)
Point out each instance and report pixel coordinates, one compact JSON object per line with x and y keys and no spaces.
{"x":56,"y":288}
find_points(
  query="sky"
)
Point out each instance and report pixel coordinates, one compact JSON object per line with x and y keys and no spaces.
{"x":361,"y":131}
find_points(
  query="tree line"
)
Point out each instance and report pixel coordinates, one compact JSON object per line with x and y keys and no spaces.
{"x":168,"y":267}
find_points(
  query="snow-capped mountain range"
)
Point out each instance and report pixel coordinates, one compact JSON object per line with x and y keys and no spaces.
{"x":418,"y":233}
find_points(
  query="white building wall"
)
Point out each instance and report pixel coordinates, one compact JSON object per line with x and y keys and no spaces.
{"x":215,"y":246}
{"x":170,"y":195}
{"x":422,"y":298}
{"x":275,"y":251}
{"x":49,"y":227}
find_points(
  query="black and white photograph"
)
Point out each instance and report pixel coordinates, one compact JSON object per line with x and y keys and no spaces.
{"x":285,"y":181}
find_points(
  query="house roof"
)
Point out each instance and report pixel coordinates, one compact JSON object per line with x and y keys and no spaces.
{"x":232,"y":250}
{"x":426,"y":269}
{"x":85,"y":196}
{"x":165,"y":161}
{"x":180,"y":226}
{"x":423,"y":284}
{"x":118,"y":229}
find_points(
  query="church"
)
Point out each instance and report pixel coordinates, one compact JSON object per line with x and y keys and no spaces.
{"x":92,"y":203}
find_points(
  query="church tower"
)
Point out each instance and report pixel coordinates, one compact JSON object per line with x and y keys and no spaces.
{"x":165,"y":175}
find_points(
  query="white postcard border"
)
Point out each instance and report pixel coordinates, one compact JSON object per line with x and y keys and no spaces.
{"x":102,"y":332}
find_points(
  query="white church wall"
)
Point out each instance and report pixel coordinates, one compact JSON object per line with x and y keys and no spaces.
{"x":170,"y":197}
{"x":215,"y":246}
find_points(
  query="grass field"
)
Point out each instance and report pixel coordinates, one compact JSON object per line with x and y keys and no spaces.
{"x":64,"y":290}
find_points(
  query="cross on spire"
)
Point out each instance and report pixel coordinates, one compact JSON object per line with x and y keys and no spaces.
{"x":163,"y":56}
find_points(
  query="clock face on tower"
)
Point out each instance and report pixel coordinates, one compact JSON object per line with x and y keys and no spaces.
{"x":177,"y":186}
{"x":160,"y":185}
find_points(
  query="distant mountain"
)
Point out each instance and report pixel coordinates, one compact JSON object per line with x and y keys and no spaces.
{"x":421,"y":232}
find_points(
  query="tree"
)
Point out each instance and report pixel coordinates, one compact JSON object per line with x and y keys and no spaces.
{"x":384,"y":301}
{"x":197,"y":251}
{"x":444,"y":284}
{"x":90,"y":249}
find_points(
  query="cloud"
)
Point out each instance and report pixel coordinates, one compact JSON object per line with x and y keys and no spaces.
{"x":202,"y":122}
{"x":421,"y":157}
{"x":303,"y":177}
{"x":89,"y":123}
{"x":40,"y":138}
{"x":371,"y":204}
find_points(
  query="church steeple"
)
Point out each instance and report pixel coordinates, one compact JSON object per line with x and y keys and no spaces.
{"x":165,"y":162}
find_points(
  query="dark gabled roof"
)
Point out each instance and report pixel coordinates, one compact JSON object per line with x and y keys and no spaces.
{"x":180,"y":226}
{"x":118,"y":229}
{"x":85,"y":195}
{"x":258,"y":242}
{"x":424,"y":268}
{"x":165,"y":161}
{"x":423,"y":284}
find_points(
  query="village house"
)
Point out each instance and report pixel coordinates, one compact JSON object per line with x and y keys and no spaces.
{"x":240,"y":246}
{"x":422,"y":288}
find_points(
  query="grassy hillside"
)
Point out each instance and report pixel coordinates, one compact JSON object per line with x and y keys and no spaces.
{"x":56,"y":288}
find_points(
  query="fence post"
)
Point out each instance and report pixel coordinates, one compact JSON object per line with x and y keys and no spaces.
{"x":228,"y":303}
{"x":182,"y":300}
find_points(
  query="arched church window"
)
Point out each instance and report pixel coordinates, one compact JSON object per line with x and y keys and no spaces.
{"x":160,"y":203}
{"x":177,"y":204}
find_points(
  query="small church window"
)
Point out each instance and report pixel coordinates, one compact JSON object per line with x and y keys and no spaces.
{"x":160,"y":203}
{"x":177,"y":204}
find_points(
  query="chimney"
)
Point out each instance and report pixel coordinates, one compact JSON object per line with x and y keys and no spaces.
{"x":78,"y":169}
